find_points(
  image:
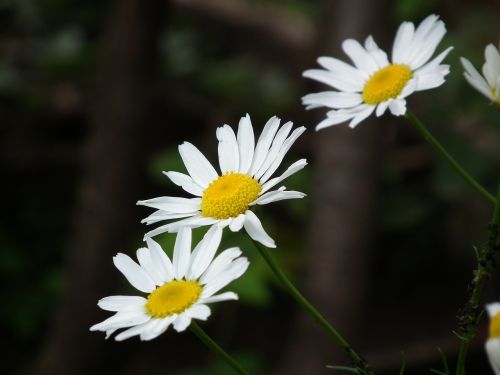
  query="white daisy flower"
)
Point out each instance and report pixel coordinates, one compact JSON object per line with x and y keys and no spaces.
{"x":245,"y":181}
{"x":178,"y":290}
{"x":374,"y":83}
{"x":489,"y":85}
{"x":493,"y":343}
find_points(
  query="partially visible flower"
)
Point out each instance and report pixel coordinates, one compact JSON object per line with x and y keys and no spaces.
{"x":493,"y":343}
{"x":178,"y":290}
{"x":374,"y":83}
{"x":245,"y":180}
{"x":489,"y":83}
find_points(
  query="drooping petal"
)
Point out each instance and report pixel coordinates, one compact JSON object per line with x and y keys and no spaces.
{"x":255,"y":230}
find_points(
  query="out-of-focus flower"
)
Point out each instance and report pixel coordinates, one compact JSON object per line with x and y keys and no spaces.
{"x":493,"y":343}
{"x":245,"y":180}
{"x":489,"y":83}
{"x":374,"y":84}
{"x":178,"y":290}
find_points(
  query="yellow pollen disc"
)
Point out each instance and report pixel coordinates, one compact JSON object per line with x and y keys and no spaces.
{"x":172,"y":298}
{"x":229,"y":195}
{"x":386,"y":84}
{"x":495,"y":326}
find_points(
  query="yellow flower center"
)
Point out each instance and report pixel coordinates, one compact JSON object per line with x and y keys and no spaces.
{"x":172,"y":298}
{"x":386,"y":84}
{"x":495,"y":326}
{"x":229,"y":195}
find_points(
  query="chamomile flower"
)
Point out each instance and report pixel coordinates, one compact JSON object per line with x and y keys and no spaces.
{"x":177,"y":291}
{"x":489,"y":83}
{"x":245,"y":180}
{"x":375,"y":84}
{"x":493,"y":343}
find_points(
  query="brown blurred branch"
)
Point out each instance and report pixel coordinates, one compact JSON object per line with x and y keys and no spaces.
{"x":105,"y":213}
{"x":273,"y":22}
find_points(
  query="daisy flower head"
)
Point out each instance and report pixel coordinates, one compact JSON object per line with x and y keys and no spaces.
{"x":245,"y":180}
{"x":493,"y":343}
{"x":489,"y":83}
{"x":178,"y":290}
{"x":375,"y":84}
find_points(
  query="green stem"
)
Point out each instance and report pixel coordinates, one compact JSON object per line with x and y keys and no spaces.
{"x":356,"y":359}
{"x":454,"y":164}
{"x":196,"y":329}
{"x":471,"y":313}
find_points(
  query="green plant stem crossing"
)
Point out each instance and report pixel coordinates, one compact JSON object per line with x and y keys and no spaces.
{"x":441,"y":150}
{"x":357,"y":361}
{"x":196,"y":329}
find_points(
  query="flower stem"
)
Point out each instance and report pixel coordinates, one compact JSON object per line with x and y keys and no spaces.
{"x":470,"y":315}
{"x":356,"y":359}
{"x":454,"y":164}
{"x":196,"y":329}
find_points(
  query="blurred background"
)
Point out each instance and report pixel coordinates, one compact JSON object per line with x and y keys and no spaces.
{"x":95,"y":96}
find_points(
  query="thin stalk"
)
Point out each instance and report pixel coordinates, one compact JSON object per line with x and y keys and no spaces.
{"x":470,"y":314}
{"x":454,"y":164}
{"x":196,"y":329}
{"x":356,"y":359}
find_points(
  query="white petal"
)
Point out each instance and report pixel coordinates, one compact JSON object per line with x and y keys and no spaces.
{"x":334,"y":80}
{"x":121,"y":320}
{"x":263,"y":144}
{"x":226,"y":296}
{"x":359,"y":56}
{"x":220,"y":264}
{"x":246,"y":144}
{"x":161,"y":215}
{"x":133,"y":331}
{"x":336,"y":118}
{"x":173,"y":204}
{"x":185,"y":181}
{"x":182,"y":252}
{"x":120,"y":303}
{"x":430,"y":80}
{"x":491,"y":68}
{"x":198,"y":311}
{"x":199,"y":168}
{"x":237,"y":223}
{"x":192,"y":222}
{"x":281,"y":154}
{"x":360,"y":116}
{"x":434,"y":63}
{"x":144,"y":258}
{"x":331,"y":99}
{"x":402,"y":41}
{"x":161,"y":260}
{"x":228,"y":149}
{"x":294,"y":168}
{"x":381,"y":108}
{"x":205,"y":252}
{"x":275,"y":196}
{"x":425,"y":47}
{"x":255,"y":230}
{"x":156,"y":327}
{"x":232,"y":272}
{"x":342,"y":69}
{"x":493,"y":350}
{"x":377,"y":54}
{"x":475,"y":79}
{"x":397,"y":107}
{"x":278,"y":141}
{"x":134,"y":273}
{"x":182,"y":322}
{"x":493,"y":309}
